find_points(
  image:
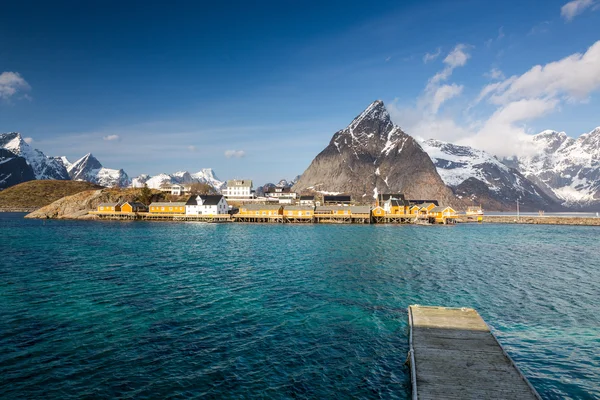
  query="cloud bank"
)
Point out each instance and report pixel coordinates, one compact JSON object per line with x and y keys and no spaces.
{"x":508,"y":102}
{"x":235,"y":153}
{"x":12,"y":83}
{"x":574,"y":8}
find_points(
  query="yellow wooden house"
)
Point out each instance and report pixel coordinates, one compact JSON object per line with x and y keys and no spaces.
{"x":109,"y":207}
{"x":443,"y":214}
{"x":133,"y":207}
{"x":398,"y":207}
{"x":332,"y":211}
{"x":427,"y":207}
{"x":378,"y":211}
{"x":299,"y":211}
{"x":260,"y":210}
{"x":167,"y":208}
{"x":413,"y":210}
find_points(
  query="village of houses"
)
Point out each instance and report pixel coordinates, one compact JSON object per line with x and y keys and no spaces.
{"x":238,"y":203}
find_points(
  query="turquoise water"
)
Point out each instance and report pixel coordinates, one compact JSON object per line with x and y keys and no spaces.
{"x":183,"y":310}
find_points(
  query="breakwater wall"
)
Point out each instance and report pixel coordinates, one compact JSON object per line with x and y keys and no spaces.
{"x":541,"y":220}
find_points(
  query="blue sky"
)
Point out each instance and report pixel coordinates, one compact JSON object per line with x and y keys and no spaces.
{"x":257,"y":90}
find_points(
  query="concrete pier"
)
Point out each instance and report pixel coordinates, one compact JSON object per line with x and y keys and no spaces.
{"x":454,"y":355}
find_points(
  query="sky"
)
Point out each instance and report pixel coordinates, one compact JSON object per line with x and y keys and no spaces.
{"x":256,"y":90}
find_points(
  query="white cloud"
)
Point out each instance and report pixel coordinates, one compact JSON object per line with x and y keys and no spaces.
{"x":11,"y":83}
{"x":458,"y":56}
{"x":432,"y":56}
{"x":494,"y":74}
{"x":443,"y":93}
{"x":574,"y":77}
{"x":235,"y":153}
{"x":192,"y":148}
{"x":574,"y":8}
{"x":111,"y":137}
{"x":515,"y":101}
{"x":28,"y":140}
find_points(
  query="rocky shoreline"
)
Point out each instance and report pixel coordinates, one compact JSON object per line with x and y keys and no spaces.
{"x":17,"y":210}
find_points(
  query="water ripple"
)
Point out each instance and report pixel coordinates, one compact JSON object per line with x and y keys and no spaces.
{"x":137,"y":310}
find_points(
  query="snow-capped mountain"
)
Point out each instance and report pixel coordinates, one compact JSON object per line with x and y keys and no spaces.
{"x":483,"y":179}
{"x":205,"y":175}
{"x":64,"y":161}
{"x":566,"y":168}
{"x":43,"y":167}
{"x":372,"y":155}
{"x":13,"y":169}
{"x":88,"y":168}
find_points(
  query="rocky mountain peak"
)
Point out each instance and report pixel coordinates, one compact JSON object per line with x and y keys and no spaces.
{"x":372,"y":155}
{"x":43,"y":167}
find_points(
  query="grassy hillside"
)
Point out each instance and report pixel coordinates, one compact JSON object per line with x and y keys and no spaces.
{"x":29,"y":196}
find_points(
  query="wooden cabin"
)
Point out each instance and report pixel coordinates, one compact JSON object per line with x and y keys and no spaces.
{"x":133,"y":207}
{"x":413,"y":210}
{"x":398,"y":207}
{"x":428,"y":207}
{"x":360,"y":211}
{"x":109,"y":207}
{"x":303,"y":212}
{"x":307,"y":200}
{"x":332,"y":210}
{"x":167,"y":208}
{"x":378,"y":211}
{"x":443,"y":214}
{"x":260,"y":210}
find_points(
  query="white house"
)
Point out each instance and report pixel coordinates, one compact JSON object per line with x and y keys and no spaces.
{"x":278,"y":192}
{"x":239,"y":189}
{"x":205,"y":204}
{"x":174,"y":188}
{"x":307,"y":200}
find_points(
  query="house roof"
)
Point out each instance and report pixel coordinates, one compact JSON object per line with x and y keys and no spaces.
{"x":299,"y":208}
{"x":207,"y":199}
{"x":393,"y":196}
{"x":108,"y":204}
{"x":167,"y":204}
{"x":331,"y":208}
{"x":399,"y":203}
{"x":441,"y":209}
{"x":277,"y":189}
{"x":307,"y":198}
{"x":337,"y":199}
{"x":135,"y":204}
{"x":423,"y":202}
{"x":360,"y":209}
{"x":239,"y":183}
{"x":260,"y":207}
{"x":426,"y":205}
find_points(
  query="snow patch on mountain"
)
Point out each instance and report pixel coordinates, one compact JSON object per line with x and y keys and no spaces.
{"x":482,"y":177}
{"x":89,"y":169}
{"x":43,"y":167}
{"x":564,"y":167}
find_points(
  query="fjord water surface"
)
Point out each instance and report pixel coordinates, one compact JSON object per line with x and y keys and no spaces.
{"x":182,"y":310}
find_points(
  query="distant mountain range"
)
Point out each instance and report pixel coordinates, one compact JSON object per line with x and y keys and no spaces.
{"x":480,"y":178}
{"x":564,"y":168}
{"x":206,"y":175}
{"x":372,"y":155}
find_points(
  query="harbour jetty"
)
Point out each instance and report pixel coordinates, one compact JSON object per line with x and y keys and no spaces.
{"x":454,"y":355}
{"x":536,"y":220}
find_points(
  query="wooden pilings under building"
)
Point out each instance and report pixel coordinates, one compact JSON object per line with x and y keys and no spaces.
{"x":454,"y":355}
{"x":144,"y":216}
